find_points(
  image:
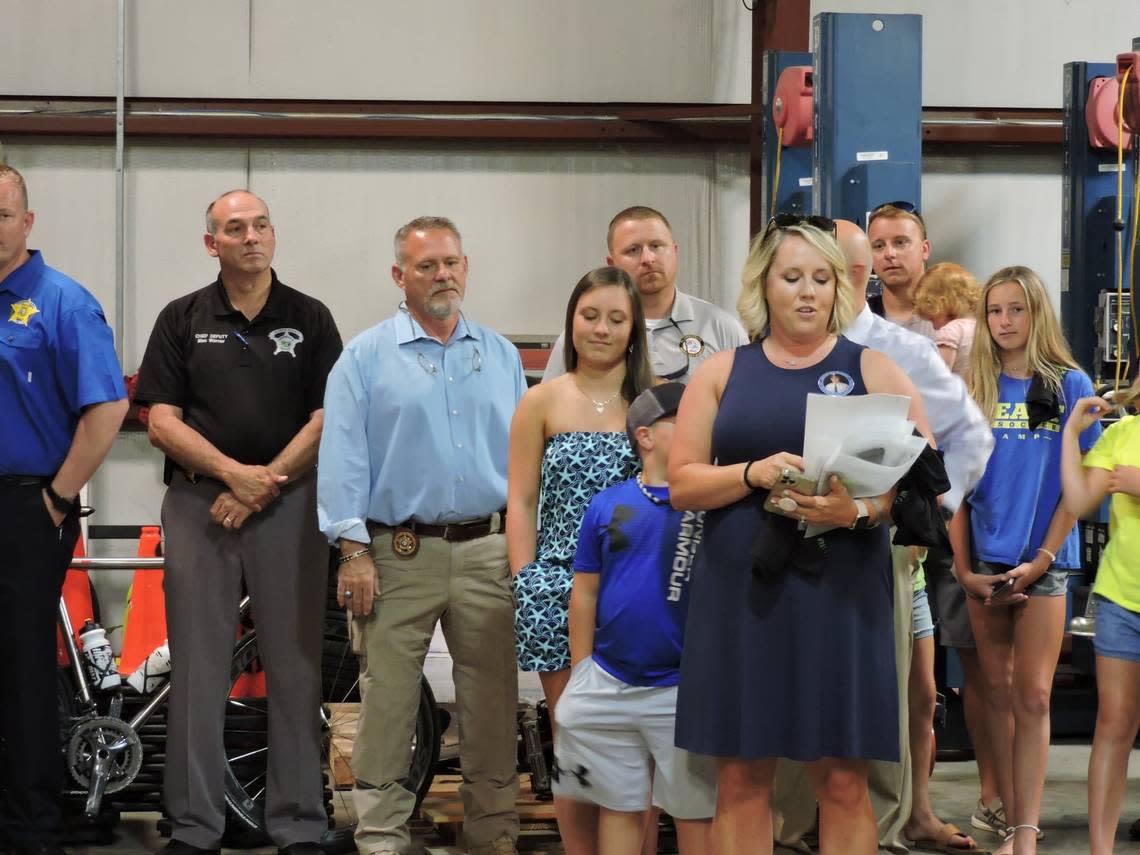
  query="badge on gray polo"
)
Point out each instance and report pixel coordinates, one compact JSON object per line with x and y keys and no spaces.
{"x":286,"y":340}
{"x":692,"y":345}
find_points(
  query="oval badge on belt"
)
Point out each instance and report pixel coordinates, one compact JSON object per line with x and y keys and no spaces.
{"x":405,"y":542}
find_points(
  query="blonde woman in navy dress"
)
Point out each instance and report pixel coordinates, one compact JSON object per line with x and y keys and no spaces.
{"x":794,"y":663}
{"x":568,"y":443}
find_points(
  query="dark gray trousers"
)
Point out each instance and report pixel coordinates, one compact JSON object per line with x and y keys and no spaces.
{"x":284,"y":560}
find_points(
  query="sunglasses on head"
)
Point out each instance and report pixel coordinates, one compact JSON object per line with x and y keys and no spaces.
{"x":787,"y":221}
{"x":901,"y":204}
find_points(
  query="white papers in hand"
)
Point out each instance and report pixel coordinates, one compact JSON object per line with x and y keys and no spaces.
{"x":866,"y":440}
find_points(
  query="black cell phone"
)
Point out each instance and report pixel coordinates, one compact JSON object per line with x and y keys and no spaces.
{"x":1003,"y":589}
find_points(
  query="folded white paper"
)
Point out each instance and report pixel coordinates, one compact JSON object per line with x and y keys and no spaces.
{"x":867,"y":440}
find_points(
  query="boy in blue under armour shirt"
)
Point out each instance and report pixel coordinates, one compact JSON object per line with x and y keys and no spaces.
{"x":627,"y":616}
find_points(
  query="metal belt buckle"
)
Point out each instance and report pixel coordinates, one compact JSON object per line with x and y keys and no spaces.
{"x":405,"y":542}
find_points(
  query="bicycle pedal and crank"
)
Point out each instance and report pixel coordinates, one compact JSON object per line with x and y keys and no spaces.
{"x":103,"y":752}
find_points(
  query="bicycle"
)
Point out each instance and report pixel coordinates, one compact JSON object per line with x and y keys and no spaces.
{"x":113,"y":740}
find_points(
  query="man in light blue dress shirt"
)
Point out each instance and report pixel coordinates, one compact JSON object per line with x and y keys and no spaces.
{"x":412,"y":486}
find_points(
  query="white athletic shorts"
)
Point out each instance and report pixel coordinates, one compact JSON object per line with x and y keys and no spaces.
{"x":614,"y":741}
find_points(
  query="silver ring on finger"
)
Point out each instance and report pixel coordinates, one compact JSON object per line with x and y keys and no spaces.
{"x":348,"y":595}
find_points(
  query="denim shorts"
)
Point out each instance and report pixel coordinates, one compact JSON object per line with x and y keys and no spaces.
{"x":1117,"y":631}
{"x":1054,"y":582}
{"x":922,"y":623}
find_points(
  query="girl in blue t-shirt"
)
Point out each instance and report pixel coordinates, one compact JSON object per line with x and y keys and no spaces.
{"x":1021,"y":540}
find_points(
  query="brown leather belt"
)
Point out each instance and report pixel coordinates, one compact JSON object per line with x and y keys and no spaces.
{"x":453,"y":532}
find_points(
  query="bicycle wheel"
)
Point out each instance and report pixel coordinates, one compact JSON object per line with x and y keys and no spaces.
{"x":246,"y":739}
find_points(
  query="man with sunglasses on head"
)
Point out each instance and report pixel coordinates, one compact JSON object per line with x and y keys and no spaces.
{"x":412,"y":489}
{"x":683,"y":330}
{"x":900,"y":249}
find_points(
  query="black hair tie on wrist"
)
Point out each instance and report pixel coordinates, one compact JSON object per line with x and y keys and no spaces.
{"x":748,"y":483}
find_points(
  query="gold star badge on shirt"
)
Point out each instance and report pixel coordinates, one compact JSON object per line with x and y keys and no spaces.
{"x":22,"y":312}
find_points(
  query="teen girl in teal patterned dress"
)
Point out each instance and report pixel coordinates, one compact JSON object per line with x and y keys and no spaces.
{"x":568,"y":442}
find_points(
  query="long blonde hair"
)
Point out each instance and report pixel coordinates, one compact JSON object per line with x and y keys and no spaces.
{"x":1129,"y":396}
{"x":1047,"y":353}
{"x":753,"y":306}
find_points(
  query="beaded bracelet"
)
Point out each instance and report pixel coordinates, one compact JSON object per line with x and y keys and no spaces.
{"x":352,"y":556}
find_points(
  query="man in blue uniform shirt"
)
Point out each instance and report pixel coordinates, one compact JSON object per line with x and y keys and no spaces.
{"x":63,"y":399}
{"x":412,"y":486}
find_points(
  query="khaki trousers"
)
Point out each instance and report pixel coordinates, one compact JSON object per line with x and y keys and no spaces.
{"x":793,"y":800}
{"x":466,"y":587}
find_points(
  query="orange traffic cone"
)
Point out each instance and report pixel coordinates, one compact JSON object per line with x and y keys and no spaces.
{"x":77,"y":596}
{"x":144,"y":622}
{"x":250,"y":683}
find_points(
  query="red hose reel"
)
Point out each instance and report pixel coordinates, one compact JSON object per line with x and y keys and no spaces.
{"x":791,"y":106}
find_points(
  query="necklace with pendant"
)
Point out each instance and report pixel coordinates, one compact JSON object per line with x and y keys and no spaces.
{"x":793,"y":361}
{"x":600,"y":406}
{"x":657,"y":500}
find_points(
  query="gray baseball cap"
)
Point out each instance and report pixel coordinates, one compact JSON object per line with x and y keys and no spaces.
{"x":654,"y":403}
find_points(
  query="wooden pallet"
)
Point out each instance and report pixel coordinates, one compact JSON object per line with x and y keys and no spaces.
{"x":444,"y":809}
{"x":343,"y":721}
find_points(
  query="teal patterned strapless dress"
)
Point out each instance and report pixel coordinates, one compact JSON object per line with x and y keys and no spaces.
{"x":576,"y":466}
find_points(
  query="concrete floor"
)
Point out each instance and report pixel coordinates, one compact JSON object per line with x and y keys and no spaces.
{"x":953,"y":790}
{"x":1064,"y":807}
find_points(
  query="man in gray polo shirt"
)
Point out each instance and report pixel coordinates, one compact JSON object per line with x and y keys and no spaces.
{"x":683,"y":330}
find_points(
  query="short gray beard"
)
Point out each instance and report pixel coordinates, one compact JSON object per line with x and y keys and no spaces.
{"x":442,"y":310}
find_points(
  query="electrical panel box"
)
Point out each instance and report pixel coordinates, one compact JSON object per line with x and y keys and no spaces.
{"x":867,"y":111}
{"x":1108,"y":323}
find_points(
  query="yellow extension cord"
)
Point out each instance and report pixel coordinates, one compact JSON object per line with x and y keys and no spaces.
{"x":1120,"y":361}
{"x":776,"y":177}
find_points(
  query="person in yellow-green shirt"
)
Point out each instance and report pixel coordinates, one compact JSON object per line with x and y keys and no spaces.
{"x":1111,"y":468}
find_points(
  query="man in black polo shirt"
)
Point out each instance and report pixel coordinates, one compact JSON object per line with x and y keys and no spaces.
{"x":235,"y":376}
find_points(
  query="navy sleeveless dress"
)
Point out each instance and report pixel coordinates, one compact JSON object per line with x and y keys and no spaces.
{"x":792,"y":664}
